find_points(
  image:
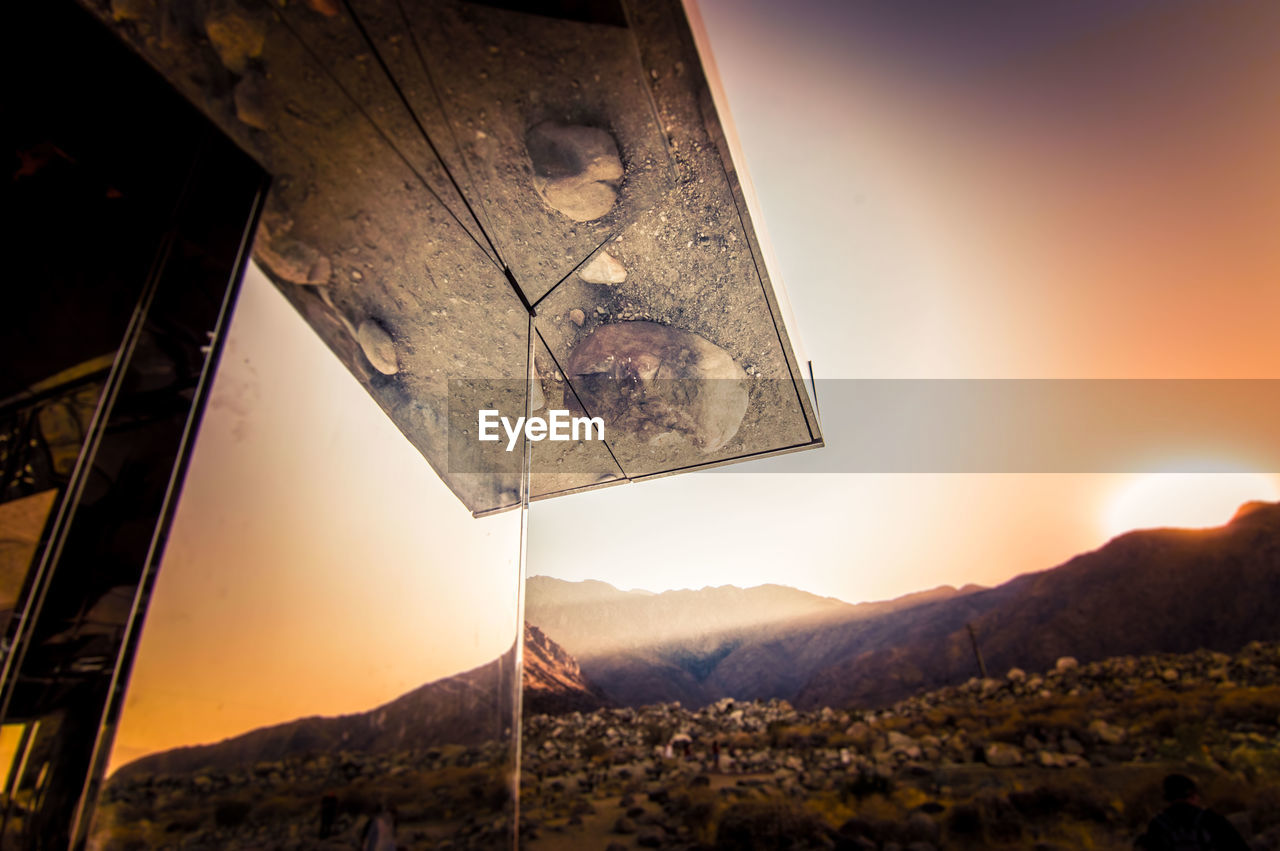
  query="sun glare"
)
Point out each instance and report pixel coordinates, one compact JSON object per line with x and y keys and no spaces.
{"x":1186,"y":500}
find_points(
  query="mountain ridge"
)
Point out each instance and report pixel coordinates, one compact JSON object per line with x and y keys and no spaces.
{"x":1213,"y":594}
{"x":467,"y":708}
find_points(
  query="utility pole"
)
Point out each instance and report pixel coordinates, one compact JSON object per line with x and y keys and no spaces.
{"x":977,"y":654}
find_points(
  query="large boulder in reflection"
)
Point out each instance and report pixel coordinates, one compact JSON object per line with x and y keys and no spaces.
{"x":576,"y":169}
{"x":660,"y":384}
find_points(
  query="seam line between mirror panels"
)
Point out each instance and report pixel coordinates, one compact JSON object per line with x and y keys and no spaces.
{"x":476,"y":210}
{"x":581,"y":263}
{"x":574,"y":391}
{"x":422,"y":130}
{"x":517,"y":723}
{"x":383,"y":135}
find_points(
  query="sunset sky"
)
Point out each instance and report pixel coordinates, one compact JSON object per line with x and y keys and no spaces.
{"x":990,"y":190}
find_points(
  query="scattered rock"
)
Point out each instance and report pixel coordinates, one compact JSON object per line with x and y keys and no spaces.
{"x":250,"y":96}
{"x":237,"y":35}
{"x":378,"y":347}
{"x":577,"y":317}
{"x":624,"y":826}
{"x":575,"y":168}
{"x":1002,"y":755}
{"x":132,"y":10}
{"x":604,"y":268}
{"x":1106,"y":733}
{"x":1066,"y":663}
{"x":292,"y":260}
{"x":650,"y":837}
{"x":328,"y":8}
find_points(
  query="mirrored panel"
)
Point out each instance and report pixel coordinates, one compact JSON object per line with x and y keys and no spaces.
{"x":132,"y":220}
{"x":445,"y":169}
{"x":330,"y":654}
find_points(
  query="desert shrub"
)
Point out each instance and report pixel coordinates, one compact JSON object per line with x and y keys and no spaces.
{"x":900,"y":724}
{"x":829,"y":807}
{"x":418,"y":812}
{"x":989,"y":819}
{"x":1141,"y":795}
{"x":1151,"y":697}
{"x":861,"y":786}
{"x":1225,"y":793}
{"x":131,"y":812}
{"x":841,"y":740}
{"x":695,"y":809}
{"x":356,"y":801}
{"x":855,"y":829}
{"x":491,"y":792}
{"x":1256,"y":763}
{"x":1166,"y":723}
{"x":795,"y":736}
{"x":1063,"y":799}
{"x":656,"y":734}
{"x":881,"y":810}
{"x":119,"y":843}
{"x":230,"y":815}
{"x":937,"y":718}
{"x":1250,"y":706}
{"x":1182,"y":738}
{"x":1011,"y":728}
{"x":750,"y":825}
{"x":1264,"y":806}
{"x":1003,"y":822}
{"x":965,"y":820}
{"x":180,"y":823}
{"x":280,"y":808}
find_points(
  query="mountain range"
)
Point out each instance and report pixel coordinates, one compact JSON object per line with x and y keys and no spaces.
{"x":1158,"y":590}
{"x":589,"y":644}
{"x":467,"y":708}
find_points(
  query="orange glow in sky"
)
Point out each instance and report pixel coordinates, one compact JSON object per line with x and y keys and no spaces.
{"x":1188,"y":500}
{"x":317,"y":565}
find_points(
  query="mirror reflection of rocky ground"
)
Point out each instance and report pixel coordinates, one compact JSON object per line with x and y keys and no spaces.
{"x":440,"y":757}
{"x":1072,"y":757}
{"x":768,"y":717}
{"x":727,"y":718}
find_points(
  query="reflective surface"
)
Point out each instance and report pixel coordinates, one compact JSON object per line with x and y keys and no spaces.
{"x":471,"y":206}
{"x":446,"y":169}
{"x":329,"y":651}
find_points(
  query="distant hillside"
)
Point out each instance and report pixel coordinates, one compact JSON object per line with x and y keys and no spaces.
{"x":593,"y":618}
{"x":699,"y":646}
{"x":1164,"y":590}
{"x":553,"y":682}
{"x":467,"y":708}
{"x":1152,"y":591}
